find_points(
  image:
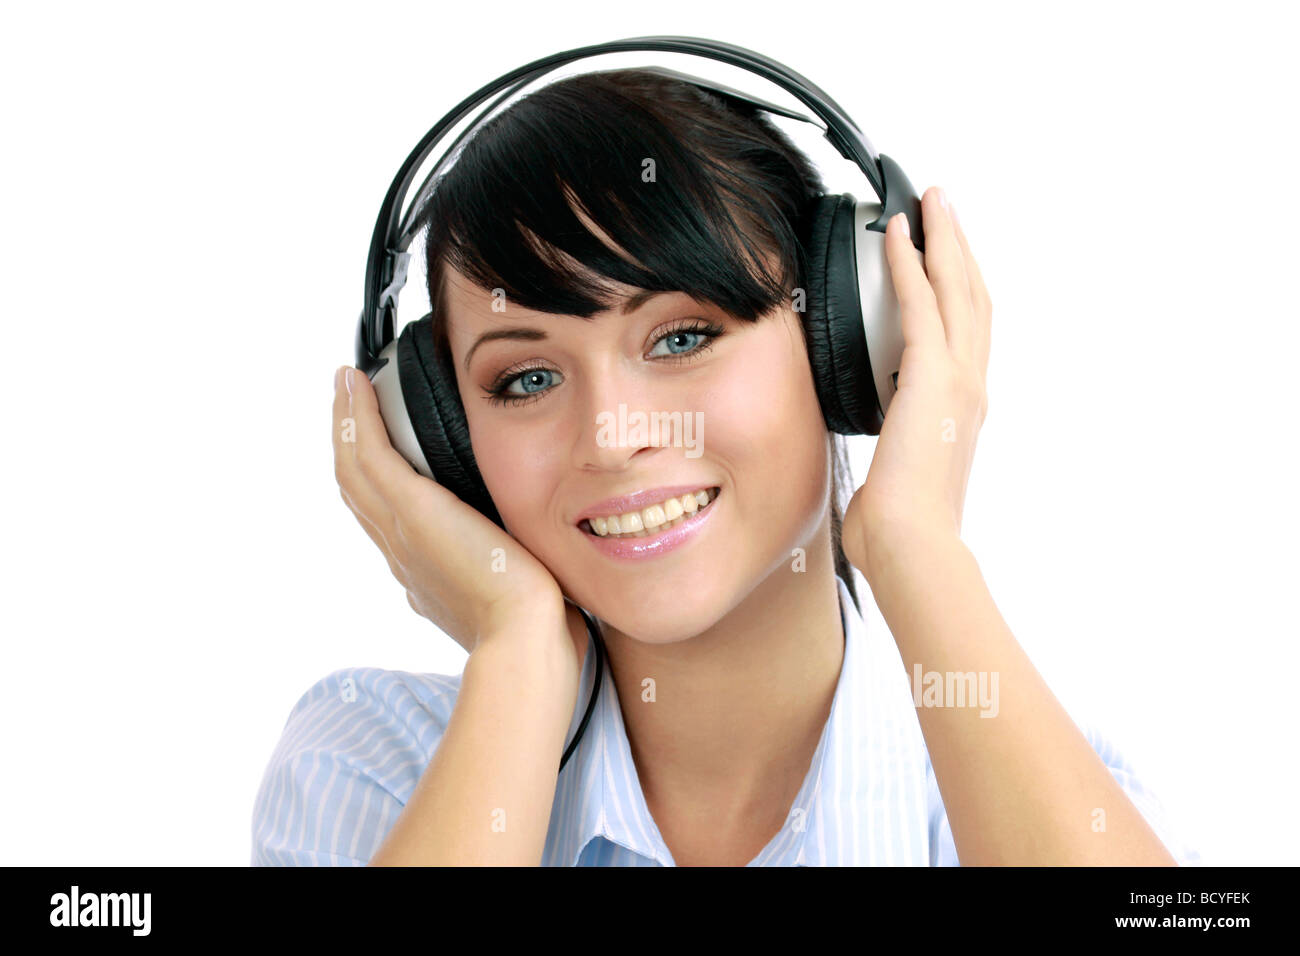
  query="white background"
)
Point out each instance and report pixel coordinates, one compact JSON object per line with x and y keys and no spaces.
{"x":188,"y":195}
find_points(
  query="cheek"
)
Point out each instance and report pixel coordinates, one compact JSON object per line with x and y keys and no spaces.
{"x":518,"y":465}
{"x":766,"y":415}
{"x":769,"y":437}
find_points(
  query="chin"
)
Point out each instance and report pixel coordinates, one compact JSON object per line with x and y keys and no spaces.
{"x":657,"y":624}
{"x":655,"y":602}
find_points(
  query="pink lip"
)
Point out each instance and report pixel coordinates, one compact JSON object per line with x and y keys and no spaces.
{"x":653,"y":545}
{"x":636,"y":501}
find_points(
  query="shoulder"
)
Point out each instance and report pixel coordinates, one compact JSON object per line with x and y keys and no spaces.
{"x":410,"y":697}
{"x":351,"y":752}
{"x":943,"y":850}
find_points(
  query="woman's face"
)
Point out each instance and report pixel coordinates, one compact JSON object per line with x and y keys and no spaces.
{"x":755,"y":432}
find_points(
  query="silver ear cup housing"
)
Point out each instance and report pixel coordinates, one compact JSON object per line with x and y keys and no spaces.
{"x":392,"y":407}
{"x":880,"y":308}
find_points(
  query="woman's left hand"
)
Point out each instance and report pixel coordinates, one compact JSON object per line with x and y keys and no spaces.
{"x":917,"y":481}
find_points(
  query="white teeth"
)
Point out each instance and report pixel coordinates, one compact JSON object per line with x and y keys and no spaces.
{"x":653,"y":516}
{"x":647,"y":520}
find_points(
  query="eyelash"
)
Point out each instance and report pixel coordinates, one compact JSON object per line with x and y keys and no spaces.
{"x":710,"y":330}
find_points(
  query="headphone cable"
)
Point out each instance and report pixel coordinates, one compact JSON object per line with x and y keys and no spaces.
{"x":594,"y":632}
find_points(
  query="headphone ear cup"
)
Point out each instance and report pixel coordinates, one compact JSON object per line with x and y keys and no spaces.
{"x":438,"y":417}
{"x":837,"y":342}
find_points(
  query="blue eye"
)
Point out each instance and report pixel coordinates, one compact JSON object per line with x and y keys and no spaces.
{"x":534,"y":380}
{"x":675,"y":344}
{"x":684,"y":344}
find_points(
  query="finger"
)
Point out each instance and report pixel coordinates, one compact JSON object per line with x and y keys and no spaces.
{"x":946,"y":267}
{"x":366,"y":503}
{"x":358,"y":491}
{"x":340,"y":433}
{"x":979,"y":295}
{"x":379,"y":537}
{"x":918,"y":310}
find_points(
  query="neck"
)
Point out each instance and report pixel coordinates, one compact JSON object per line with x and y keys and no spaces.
{"x":739,"y":708}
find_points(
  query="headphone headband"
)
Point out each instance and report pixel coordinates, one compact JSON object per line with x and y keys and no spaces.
{"x":387,"y":263}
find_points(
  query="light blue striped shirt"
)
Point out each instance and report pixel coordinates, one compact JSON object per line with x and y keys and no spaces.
{"x":357,"y":742}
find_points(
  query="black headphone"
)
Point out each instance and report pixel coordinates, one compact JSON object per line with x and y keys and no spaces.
{"x":855,"y":341}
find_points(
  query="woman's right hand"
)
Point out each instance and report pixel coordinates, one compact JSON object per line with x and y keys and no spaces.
{"x":443,"y":551}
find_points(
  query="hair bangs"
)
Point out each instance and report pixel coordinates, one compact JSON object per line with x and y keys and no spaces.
{"x":623,"y":179}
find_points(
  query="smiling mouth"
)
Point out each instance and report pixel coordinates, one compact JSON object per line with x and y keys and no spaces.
{"x":651,"y":520}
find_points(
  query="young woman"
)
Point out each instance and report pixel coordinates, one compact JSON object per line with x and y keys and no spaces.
{"x":745,"y":716}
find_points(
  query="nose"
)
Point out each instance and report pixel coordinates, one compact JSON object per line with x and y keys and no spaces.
{"x":619,"y":424}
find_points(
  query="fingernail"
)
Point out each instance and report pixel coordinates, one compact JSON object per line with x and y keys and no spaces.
{"x":952,"y":211}
{"x":903,"y":224}
{"x":943,"y":199}
{"x":347,"y":377}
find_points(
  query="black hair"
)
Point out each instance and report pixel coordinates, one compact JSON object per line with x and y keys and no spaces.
{"x":702,"y":191}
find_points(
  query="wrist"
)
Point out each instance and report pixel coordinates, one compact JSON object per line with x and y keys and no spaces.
{"x":904,"y":546}
{"x":540,"y":645}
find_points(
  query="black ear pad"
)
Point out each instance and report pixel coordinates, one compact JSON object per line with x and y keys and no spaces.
{"x":438,"y":417}
{"x":837,"y":339}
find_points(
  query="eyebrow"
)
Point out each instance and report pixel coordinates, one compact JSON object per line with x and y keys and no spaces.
{"x":522,"y":333}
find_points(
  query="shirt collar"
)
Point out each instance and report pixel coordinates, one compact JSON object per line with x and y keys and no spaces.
{"x":862,"y":801}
